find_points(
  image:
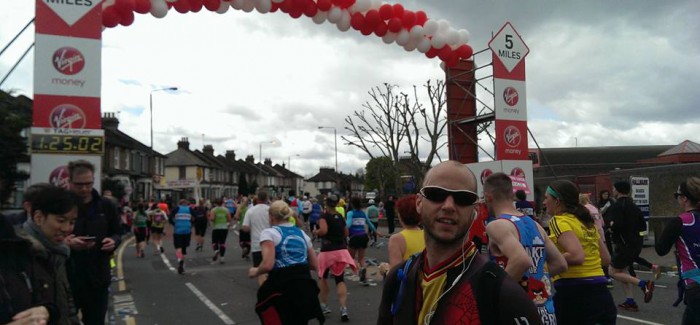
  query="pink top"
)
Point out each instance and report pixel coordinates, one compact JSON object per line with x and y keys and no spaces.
{"x":335,"y":260}
{"x":595,"y":214}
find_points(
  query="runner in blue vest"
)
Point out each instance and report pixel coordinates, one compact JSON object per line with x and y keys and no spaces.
{"x":520,"y":246}
{"x":181,"y":218}
{"x":357,"y":222}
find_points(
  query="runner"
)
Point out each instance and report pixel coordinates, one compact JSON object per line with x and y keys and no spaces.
{"x":373,"y":215}
{"x":181,"y":219}
{"x":220,"y":218}
{"x":243,"y":236}
{"x":158,"y":220}
{"x":411,"y":239}
{"x":357,"y":223}
{"x":140,"y":229}
{"x":256,"y":220}
{"x":334,"y":256}
{"x":316,"y":212}
{"x":200,"y":213}
{"x":290,"y":295}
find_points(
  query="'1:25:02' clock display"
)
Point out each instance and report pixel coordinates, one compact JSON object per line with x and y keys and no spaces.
{"x":57,"y":143}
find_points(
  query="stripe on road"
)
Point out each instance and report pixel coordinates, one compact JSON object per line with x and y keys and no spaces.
{"x":167,"y":262}
{"x":210,"y":304}
{"x":638,"y":320}
{"x":120,"y":265}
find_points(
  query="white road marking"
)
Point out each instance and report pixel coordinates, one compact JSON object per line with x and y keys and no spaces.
{"x":167,"y":262}
{"x":210,"y":304}
{"x":638,"y":320}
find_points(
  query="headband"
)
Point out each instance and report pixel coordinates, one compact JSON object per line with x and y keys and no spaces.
{"x":551,"y":192}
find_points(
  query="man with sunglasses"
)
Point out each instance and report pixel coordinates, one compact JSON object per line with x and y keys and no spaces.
{"x":450,"y":281}
{"x":520,"y":245}
{"x":95,"y":237}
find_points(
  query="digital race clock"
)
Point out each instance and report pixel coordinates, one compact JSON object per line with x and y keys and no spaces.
{"x":68,"y":143}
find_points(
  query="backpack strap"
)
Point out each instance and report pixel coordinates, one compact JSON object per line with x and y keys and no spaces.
{"x":402,"y":276}
{"x":488,"y":292}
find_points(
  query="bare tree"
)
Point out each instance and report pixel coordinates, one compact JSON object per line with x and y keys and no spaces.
{"x":391,"y":124}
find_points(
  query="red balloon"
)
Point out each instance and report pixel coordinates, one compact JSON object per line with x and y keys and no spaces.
{"x":196,"y":5}
{"x":431,"y":53}
{"x":110,"y":17}
{"x":127,"y":19}
{"x":381,"y":29}
{"x":444,"y":53}
{"x":324,"y":5}
{"x":338,"y":3}
{"x":142,"y":6}
{"x":347,"y":4}
{"x":452,"y":61}
{"x":386,"y":11}
{"x":421,"y":17}
{"x":275,"y":7}
{"x":357,"y":21}
{"x":464,"y":51}
{"x":398,"y":10}
{"x":212,"y":5}
{"x":182,"y":6}
{"x":286,"y":6}
{"x":372,"y":18}
{"x":295,"y":13}
{"x":409,"y":19}
{"x":124,"y":6}
{"x":311,"y":9}
{"x":366,"y":30}
{"x":299,"y":5}
{"x":394,"y":25}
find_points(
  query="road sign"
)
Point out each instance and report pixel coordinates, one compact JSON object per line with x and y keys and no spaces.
{"x":509,"y":47}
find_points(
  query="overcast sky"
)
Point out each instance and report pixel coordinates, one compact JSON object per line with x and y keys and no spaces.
{"x":599,"y":73}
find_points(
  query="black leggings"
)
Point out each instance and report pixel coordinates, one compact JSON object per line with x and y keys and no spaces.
{"x":584,"y":305}
{"x":338,"y":278}
{"x":218,"y":240}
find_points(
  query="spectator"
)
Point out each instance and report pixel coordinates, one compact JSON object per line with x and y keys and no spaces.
{"x":411,"y":239}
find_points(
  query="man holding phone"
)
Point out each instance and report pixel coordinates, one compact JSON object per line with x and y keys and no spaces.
{"x":95,"y":236}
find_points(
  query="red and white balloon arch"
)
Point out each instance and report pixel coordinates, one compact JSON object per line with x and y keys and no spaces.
{"x":411,"y":30}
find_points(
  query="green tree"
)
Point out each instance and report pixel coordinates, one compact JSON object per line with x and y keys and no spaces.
{"x":15,"y":115}
{"x":381,"y":174}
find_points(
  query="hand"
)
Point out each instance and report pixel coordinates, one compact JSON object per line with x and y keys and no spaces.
{"x":36,"y":315}
{"x":108,"y":244}
{"x":379,"y":234}
{"x":253,"y":272}
{"x":79,"y":242}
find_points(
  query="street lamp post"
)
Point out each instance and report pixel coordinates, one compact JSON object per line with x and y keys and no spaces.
{"x":260,"y":152}
{"x":335,"y":135}
{"x":289,"y":161}
{"x":151,"y":106}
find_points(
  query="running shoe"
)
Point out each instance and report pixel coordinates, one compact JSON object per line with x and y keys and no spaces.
{"x":656,"y":270}
{"x":363,"y":275}
{"x":162,"y":250}
{"x":648,"y":291}
{"x":344,"y":314}
{"x":216,"y":256}
{"x":221,"y":260}
{"x":180,"y":267}
{"x":325,"y":309}
{"x":629,"y":306}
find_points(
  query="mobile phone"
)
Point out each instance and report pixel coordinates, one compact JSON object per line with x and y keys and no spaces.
{"x":88,"y":238}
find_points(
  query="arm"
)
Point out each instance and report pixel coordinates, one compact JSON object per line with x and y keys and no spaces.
{"x":228,"y":216}
{"x":573,"y":251}
{"x":237,"y":216}
{"x":322,"y":228}
{"x":210,"y":215}
{"x":397,"y":247}
{"x":668,"y":237}
{"x":268,"y":260}
{"x":603,"y":249}
{"x":556,"y":263}
{"x":348,"y":220}
{"x":369,"y":223}
{"x":246,"y":224}
{"x":504,"y":240}
{"x":313,"y":260}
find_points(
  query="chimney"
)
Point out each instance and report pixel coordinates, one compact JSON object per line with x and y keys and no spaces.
{"x":110,"y":121}
{"x":268,"y":162}
{"x":184,"y":143}
{"x":208,"y":150}
{"x":250,"y":159}
{"x":231,"y":155}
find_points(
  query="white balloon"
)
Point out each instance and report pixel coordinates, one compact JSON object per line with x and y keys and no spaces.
{"x":410,"y":46}
{"x":463,"y":36}
{"x":403,"y":37}
{"x":389,"y":37}
{"x":362,"y":5}
{"x":277,"y":1}
{"x":320,"y":17}
{"x":335,"y":14}
{"x":223,"y":7}
{"x":417,"y":32}
{"x":452,"y":36}
{"x":443,"y":25}
{"x":424,"y":45}
{"x":376,"y":4}
{"x":438,"y":41}
{"x":107,"y":3}
{"x":248,"y":6}
{"x":263,"y":6}
{"x":430,"y":27}
{"x":344,"y":23}
{"x":159,"y":8}
{"x":237,"y":4}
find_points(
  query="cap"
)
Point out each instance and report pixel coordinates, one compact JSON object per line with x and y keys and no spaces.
{"x":304,"y":197}
{"x":332,"y":199}
{"x":371,"y":201}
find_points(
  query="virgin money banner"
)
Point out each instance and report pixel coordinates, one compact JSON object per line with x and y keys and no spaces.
{"x":520,"y":172}
{"x":68,"y":66}
{"x":511,"y":140}
{"x":53,"y":169}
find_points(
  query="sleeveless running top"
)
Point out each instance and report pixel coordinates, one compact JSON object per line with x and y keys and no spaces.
{"x":183,"y":220}
{"x":292,"y":248}
{"x":536,"y":281}
{"x":220,"y":220}
{"x":415,"y":242}
{"x":140,"y":219}
{"x":687,"y":248}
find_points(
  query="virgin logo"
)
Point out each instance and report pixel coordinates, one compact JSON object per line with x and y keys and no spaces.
{"x":59,"y":177}
{"x":67,"y":116}
{"x":485,"y":174}
{"x":517,"y":172}
{"x":510,"y":96}
{"x":512,"y":136}
{"x":68,"y":60}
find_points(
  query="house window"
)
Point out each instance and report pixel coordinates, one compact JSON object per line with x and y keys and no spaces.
{"x":183,"y":172}
{"x":116,"y":158}
{"x":127,"y":158}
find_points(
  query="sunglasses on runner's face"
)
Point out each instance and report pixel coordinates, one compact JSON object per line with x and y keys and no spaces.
{"x":439,"y":194}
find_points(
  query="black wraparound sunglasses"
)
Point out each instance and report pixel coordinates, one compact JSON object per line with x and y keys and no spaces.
{"x":439,"y":194}
{"x":676,"y":195}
